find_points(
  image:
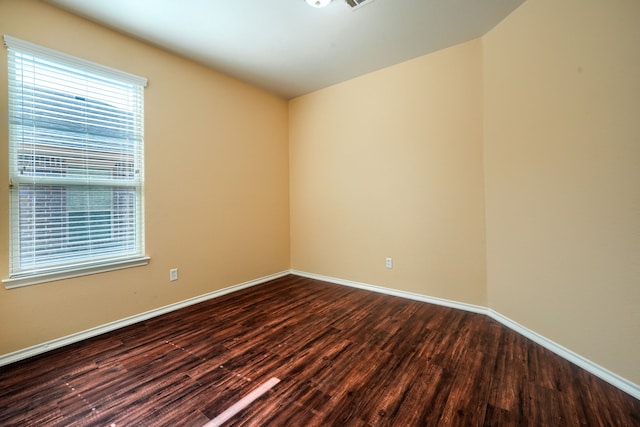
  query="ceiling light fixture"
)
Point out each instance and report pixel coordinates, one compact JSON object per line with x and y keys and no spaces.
{"x":318,"y":3}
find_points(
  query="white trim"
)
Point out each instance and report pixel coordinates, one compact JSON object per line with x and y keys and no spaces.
{"x":93,"y":332}
{"x":41,"y":51}
{"x":396,"y":293}
{"x":586,"y":364}
{"x":74,"y":271}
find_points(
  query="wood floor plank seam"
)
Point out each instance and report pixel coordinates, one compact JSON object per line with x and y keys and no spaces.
{"x":345,"y":356}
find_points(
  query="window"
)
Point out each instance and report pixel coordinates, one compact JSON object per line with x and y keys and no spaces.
{"x":76,"y":166}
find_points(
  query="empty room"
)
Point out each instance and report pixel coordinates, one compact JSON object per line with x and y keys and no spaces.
{"x":319,"y":212}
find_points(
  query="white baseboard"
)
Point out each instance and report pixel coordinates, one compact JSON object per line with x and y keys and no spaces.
{"x":586,"y":364}
{"x":597,"y":370}
{"x":90,"y":333}
{"x":396,"y":293}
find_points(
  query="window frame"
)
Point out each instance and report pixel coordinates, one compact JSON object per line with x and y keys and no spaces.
{"x":89,"y":263}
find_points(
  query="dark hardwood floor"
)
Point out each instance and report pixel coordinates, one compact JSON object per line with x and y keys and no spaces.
{"x":344,"y":357}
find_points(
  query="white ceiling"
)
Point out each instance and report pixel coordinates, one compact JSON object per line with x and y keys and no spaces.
{"x":290,"y":48}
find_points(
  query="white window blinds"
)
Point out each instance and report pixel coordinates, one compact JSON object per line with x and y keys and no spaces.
{"x":75,"y":162}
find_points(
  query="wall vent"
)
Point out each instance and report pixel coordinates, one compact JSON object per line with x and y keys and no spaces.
{"x":357,"y":3}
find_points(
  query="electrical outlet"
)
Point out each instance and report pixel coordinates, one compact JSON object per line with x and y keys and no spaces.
{"x":173,"y":274}
{"x":389,"y":262}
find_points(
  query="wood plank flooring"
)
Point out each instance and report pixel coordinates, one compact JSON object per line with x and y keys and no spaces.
{"x":344,"y":357}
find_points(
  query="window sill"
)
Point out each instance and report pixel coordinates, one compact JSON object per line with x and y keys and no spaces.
{"x":34,"y":279}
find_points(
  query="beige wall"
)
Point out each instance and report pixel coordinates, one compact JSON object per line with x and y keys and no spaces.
{"x":562,"y":141}
{"x":390,"y":165}
{"x":216,"y":184}
{"x":541,"y":115}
